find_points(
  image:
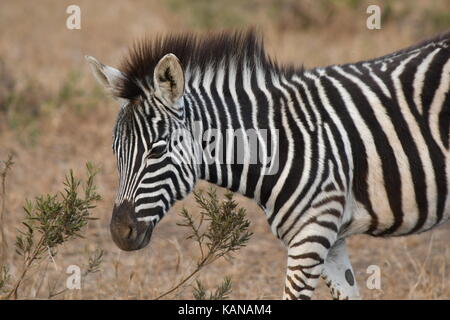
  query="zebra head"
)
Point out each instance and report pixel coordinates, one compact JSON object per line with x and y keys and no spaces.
{"x":153,"y":149}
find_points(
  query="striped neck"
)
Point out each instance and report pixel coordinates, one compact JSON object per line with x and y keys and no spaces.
{"x":242,"y":105}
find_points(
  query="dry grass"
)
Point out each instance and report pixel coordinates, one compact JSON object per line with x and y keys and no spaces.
{"x":67,"y":121}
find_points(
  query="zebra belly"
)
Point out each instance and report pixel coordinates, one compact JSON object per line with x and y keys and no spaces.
{"x":362,"y":219}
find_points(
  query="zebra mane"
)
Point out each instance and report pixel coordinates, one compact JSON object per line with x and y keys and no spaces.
{"x":194,"y":52}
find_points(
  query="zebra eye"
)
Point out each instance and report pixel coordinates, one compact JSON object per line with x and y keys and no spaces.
{"x":157,"y":150}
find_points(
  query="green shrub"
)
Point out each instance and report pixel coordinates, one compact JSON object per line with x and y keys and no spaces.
{"x":220,"y":231}
{"x":50,"y":221}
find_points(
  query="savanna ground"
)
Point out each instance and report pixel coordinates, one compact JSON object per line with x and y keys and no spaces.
{"x":54,"y":117}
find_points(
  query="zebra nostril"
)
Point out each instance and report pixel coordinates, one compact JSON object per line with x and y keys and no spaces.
{"x":130,"y":232}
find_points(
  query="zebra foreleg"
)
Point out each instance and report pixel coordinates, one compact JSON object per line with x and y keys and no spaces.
{"x":306,"y":257}
{"x":338,"y":273}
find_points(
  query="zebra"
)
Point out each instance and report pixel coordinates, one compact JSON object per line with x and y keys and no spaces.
{"x":362,"y":148}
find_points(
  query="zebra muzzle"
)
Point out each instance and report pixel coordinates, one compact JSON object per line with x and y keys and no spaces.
{"x":127,"y":232}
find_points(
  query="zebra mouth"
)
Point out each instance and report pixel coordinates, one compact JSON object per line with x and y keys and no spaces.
{"x":136,"y":239}
{"x":146,"y":237}
{"x":127,"y":232}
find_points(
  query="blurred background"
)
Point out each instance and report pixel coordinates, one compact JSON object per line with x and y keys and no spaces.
{"x":54,"y":117}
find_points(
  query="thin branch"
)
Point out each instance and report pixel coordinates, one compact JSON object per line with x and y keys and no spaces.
{"x":7,"y":166}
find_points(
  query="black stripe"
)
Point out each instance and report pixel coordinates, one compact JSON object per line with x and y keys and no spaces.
{"x":318,"y":239}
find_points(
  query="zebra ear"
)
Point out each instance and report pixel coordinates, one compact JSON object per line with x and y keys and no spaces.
{"x":168,"y":78}
{"x":110,"y":78}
